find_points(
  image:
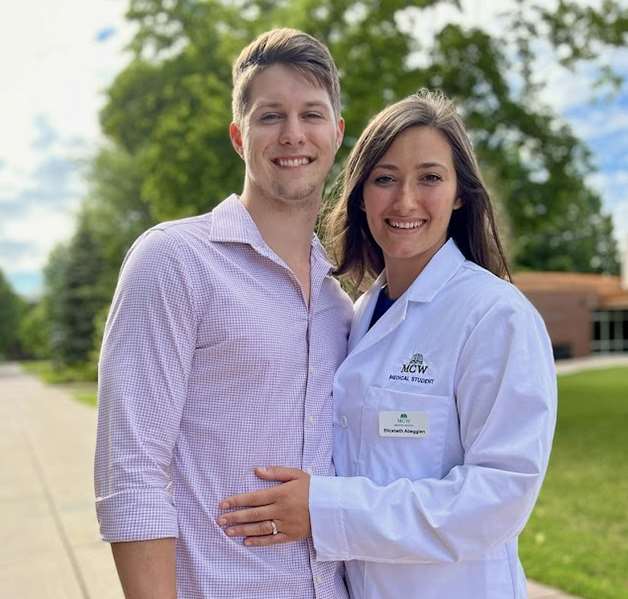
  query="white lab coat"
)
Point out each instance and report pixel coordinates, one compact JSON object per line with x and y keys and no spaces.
{"x":435,"y":513}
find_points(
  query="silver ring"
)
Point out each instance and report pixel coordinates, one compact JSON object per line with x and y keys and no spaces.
{"x":275,"y":531}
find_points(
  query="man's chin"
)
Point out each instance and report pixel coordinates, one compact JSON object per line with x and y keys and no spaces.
{"x":298,"y":195}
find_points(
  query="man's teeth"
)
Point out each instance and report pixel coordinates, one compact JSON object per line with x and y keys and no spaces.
{"x":292,"y":162}
{"x":405,"y":225}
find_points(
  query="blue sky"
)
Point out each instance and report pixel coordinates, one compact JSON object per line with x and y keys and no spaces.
{"x":58,"y":57}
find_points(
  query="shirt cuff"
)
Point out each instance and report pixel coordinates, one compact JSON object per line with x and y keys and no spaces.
{"x":137,"y":515}
{"x":328,"y":532}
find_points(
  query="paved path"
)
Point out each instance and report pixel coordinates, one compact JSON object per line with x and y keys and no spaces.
{"x":591,"y":363}
{"x":49,"y":543}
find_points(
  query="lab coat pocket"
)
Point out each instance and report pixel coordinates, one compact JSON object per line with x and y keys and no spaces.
{"x":402,"y":435}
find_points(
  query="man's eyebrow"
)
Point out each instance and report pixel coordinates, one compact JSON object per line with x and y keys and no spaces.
{"x":276,"y":104}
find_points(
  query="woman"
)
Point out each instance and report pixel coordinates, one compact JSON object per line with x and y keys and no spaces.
{"x":446,"y":404}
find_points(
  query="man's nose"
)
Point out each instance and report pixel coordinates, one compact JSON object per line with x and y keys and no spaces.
{"x":292,"y":131}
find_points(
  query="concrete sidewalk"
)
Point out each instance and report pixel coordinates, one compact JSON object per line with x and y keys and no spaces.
{"x":49,"y":542}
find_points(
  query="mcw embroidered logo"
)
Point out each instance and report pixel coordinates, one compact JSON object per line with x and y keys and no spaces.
{"x":415,"y":365}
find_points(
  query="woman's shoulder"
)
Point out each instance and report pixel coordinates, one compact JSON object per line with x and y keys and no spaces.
{"x":484,"y":289}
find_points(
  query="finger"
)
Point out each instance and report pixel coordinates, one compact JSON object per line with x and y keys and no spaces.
{"x":279,"y":473}
{"x":268,"y":540}
{"x":256,"y":498}
{"x":258,"y":529}
{"x":248,"y":516}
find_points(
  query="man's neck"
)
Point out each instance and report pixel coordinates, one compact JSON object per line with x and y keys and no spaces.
{"x":287,"y":229}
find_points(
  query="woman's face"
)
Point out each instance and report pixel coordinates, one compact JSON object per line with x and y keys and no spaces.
{"x":409,"y":197}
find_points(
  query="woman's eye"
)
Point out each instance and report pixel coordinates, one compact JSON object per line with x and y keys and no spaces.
{"x":432,"y":178}
{"x":383,"y":179}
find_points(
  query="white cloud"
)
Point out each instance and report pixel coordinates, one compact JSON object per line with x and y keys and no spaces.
{"x":54,"y":72}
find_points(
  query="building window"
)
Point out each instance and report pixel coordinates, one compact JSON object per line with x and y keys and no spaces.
{"x":610,"y":331}
{"x":562,"y":351}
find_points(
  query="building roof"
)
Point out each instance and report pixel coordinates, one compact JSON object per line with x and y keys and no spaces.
{"x":606,"y":289}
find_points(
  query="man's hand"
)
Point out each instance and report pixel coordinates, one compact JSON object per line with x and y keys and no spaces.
{"x":287,"y":505}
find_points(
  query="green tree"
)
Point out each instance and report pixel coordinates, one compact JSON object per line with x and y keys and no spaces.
{"x":170,"y":107}
{"x":73,"y":295}
{"x":11,"y":309}
{"x":34,"y":333}
{"x":114,"y":211}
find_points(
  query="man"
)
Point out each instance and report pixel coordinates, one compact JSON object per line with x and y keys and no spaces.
{"x":220,"y":349}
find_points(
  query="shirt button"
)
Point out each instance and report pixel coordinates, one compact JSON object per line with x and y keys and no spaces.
{"x":311,"y":371}
{"x":318,"y":579}
{"x":311,"y":419}
{"x":308,"y":471}
{"x":344,"y":421}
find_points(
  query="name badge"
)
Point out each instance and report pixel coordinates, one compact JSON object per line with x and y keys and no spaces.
{"x":403,"y":424}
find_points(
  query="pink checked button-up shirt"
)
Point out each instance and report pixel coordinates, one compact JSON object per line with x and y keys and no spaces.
{"x":213,"y":364}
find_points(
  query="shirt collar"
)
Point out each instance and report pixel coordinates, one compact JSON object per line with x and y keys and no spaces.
{"x":443,"y":265}
{"x":231,"y":222}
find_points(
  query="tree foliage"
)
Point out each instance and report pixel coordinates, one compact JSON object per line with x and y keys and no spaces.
{"x":34,"y":332}
{"x":169,"y":153}
{"x":170,"y":107}
{"x":74,"y":293}
{"x":11,"y":310}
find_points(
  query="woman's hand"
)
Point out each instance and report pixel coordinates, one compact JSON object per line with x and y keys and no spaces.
{"x":285,"y":505}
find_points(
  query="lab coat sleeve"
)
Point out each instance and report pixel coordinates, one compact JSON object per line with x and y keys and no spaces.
{"x":505,"y":389}
{"x":144,"y":367}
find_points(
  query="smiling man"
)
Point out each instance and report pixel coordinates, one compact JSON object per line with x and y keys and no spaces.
{"x":220,"y":349}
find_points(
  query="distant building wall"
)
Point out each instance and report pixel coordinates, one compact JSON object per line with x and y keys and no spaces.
{"x":567,"y":316}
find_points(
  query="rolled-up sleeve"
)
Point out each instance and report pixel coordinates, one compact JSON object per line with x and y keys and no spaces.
{"x":144,"y":367}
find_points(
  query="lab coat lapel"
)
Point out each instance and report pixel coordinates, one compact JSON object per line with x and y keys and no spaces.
{"x":443,"y":265}
{"x":361,"y":336}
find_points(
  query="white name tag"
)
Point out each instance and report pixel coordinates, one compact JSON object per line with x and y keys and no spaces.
{"x":403,"y":424}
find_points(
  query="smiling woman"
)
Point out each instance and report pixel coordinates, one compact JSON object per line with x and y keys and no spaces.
{"x":408,"y":199}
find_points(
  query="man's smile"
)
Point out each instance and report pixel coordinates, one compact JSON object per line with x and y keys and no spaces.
{"x":292,"y":162}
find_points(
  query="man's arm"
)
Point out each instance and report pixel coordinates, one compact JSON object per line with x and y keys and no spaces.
{"x":144,"y":369}
{"x":146,"y":568}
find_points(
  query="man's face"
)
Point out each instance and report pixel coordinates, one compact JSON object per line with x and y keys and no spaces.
{"x":288,"y":137}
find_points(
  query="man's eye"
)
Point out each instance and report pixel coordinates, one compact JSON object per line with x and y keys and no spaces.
{"x":269,"y":116}
{"x":313,"y":115}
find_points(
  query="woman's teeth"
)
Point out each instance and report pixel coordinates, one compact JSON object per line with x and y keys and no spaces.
{"x":405,"y":225}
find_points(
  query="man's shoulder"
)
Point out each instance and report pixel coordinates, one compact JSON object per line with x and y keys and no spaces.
{"x":188,"y":228}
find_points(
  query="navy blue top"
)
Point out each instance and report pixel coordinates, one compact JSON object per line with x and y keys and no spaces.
{"x":383,"y":303}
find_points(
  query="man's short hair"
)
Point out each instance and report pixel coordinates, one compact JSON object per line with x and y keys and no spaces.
{"x":289,"y":47}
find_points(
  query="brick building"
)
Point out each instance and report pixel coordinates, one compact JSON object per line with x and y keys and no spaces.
{"x":584,"y":313}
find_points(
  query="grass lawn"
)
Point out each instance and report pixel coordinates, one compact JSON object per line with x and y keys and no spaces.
{"x":75,"y":381}
{"x":577,"y":538}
